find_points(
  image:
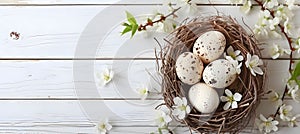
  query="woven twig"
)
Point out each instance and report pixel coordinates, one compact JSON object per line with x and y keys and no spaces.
{"x":251,"y":87}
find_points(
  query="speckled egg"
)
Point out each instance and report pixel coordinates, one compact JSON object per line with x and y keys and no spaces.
{"x":219,"y":73}
{"x":210,"y":46}
{"x":204,"y":98}
{"x":189,"y":68}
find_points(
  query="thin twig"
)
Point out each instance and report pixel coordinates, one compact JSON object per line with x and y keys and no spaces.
{"x":161,"y":19}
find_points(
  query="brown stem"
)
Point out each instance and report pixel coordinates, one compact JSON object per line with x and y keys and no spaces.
{"x":161,"y":19}
{"x":290,"y":41}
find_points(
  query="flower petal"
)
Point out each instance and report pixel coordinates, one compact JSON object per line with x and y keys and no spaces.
{"x":176,"y":112}
{"x":255,"y":58}
{"x":111,"y":74}
{"x":275,"y":122}
{"x":228,"y":92}
{"x":181,"y":115}
{"x":275,"y":55}
{"x":188,"y":109}
{"x":237,"y":96}
{"x":239,"y":58}
{"x":184,"y":101}
{"x":252,"y":72}
{"x":226,"y":106}
{"x":258,"y":70}
{"x":230,"y":49}
{"x":108,"y":126}
{"x":274,"y":128}
{"x":288,"y":107}
{"x":262,"y":118}
{"x":234,"y":105}
{"x":177,"y":101}
{"x":248,"y":60}
{"x":224,"y":98}
{"x":167,"y":119}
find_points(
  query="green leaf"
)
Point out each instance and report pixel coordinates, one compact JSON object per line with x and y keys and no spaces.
{"x":126,"y":30}
{"x":134,"y":29}
{"x":174,"y":26}
{"x":296,"y":72}
{"x":125,"y":24}
{"x":130,"y":18}
{"x":159,"y":131}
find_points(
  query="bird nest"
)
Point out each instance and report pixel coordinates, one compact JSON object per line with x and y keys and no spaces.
{"x":249,"y":86}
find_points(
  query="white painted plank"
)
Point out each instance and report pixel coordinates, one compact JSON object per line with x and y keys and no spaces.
{"x":105,"y":2}
{"x":75,"y":79}
{"x":70,"y":117}
{"x":117,"y":130}
{"x":56,"y":34}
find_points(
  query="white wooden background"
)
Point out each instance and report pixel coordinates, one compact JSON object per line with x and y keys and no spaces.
{"x":37,"y":87}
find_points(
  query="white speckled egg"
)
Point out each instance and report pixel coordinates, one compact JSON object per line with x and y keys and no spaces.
{"x":189,"y":68}
{"x":204,"y":98}
{"x":219,"y":73}
{"x":210,"y":46}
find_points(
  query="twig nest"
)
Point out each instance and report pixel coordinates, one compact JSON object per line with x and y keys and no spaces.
{"x":208,"y":38}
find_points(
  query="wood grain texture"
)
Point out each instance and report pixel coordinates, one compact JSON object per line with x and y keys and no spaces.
{"x":41,"y":93}
{"x":67,"y":117}
{"x":55,"y":79}
{"x":56,"y":34}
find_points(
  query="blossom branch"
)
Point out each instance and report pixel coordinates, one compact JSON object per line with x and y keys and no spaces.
{"x":161,"y":19}
{"x":289,"y":40}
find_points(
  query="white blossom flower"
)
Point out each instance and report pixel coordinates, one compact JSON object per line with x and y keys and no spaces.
{"x":292,"y":121}
{"x":253,"y":63}
{"x":167,"y":26}
{"x":266,"y":125}
{"x":235,"y":65}
{"x":276,"y":51}
{"x":285,"y":111}
{"x":291,"y":84}
{"x":291,"y":4}
{"x":230,"y":99}
{"x":143,"y":92}
{"x":266,"y":13}
{"x":181,"y":108}
{"x":273,"y":23}
{"x":270,"y":3}
{"x":295,"y":93}
{"x":297,"y":45}
{"x":105,"y":77}
{"x":283,"y":12}
{"x":288,"y":26}
{"x":246,"y":7}
{"x":162,"y":118}
{"x":275,"y":98}
{"x":235,"y":55}
{"x":103,"y":126}
{"x":261,"y":28}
